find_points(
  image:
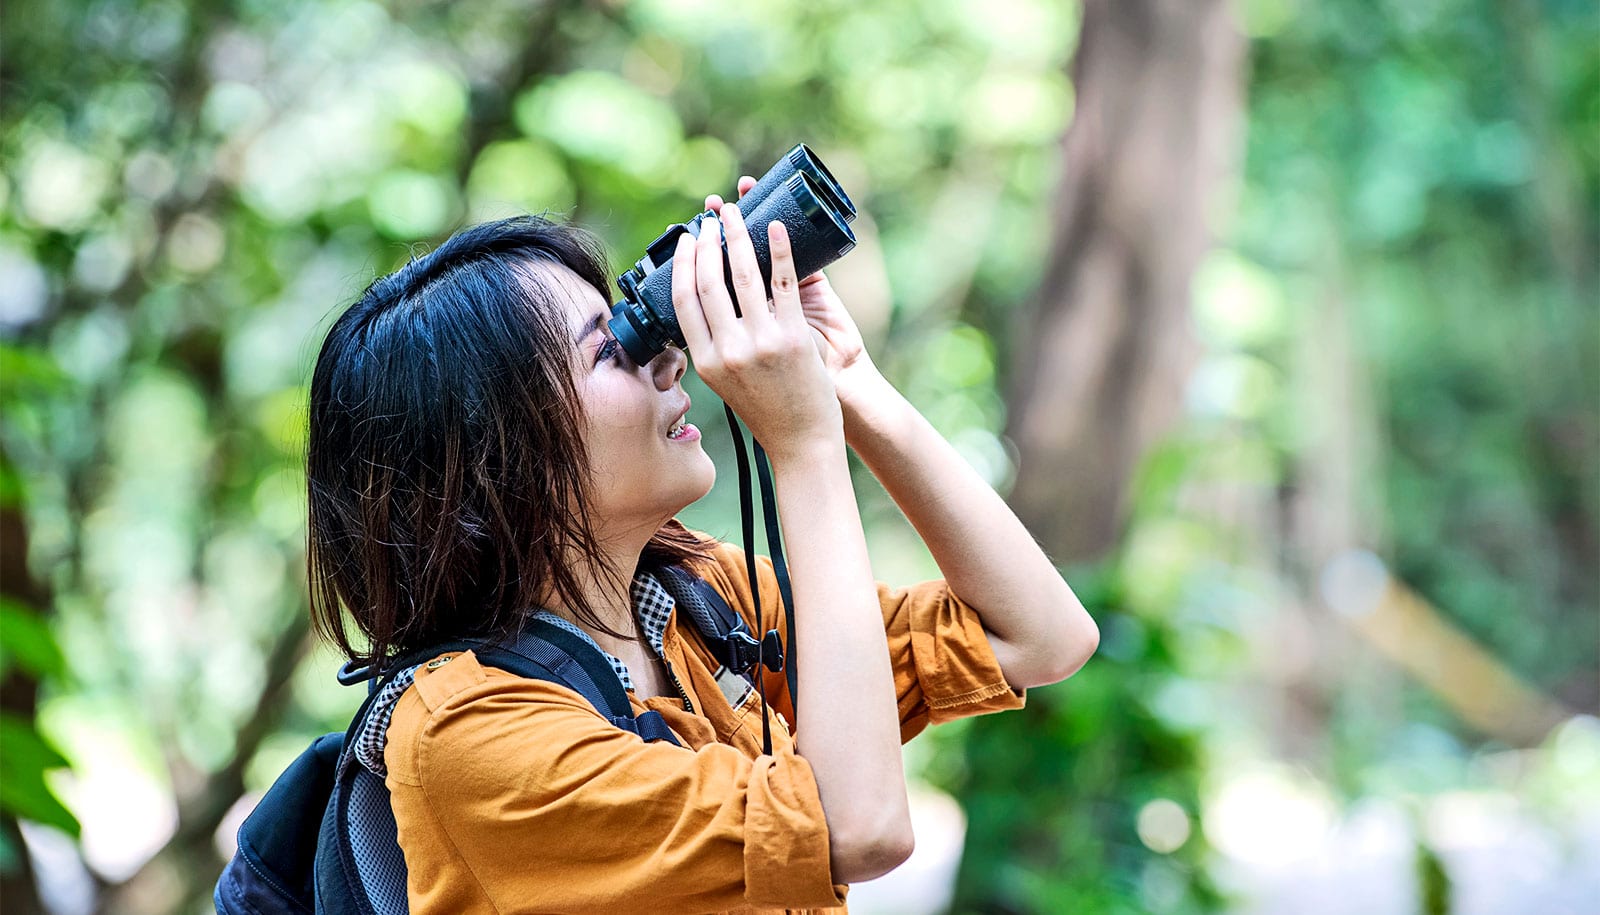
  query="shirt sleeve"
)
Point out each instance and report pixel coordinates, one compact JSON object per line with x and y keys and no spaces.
{"x":944,"y":666}
{"x":550,"y":808}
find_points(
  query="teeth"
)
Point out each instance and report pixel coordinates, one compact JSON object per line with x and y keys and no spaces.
{"x":677,"y":428}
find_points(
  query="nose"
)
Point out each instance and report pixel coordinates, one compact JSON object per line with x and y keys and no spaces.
{"x":668,"y":367}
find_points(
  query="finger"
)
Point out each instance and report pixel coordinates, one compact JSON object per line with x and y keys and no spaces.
{"x":714,"y":202}
{"x":745,"y":184}
{"x":685,"y":301}
{"x":746,"y":270}
{"x":709,"y":284}
{"x":785,"y":288}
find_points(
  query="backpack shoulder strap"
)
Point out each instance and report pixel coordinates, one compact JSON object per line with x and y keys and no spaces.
{"x":545,"y":651}
{"x":724,"y":631}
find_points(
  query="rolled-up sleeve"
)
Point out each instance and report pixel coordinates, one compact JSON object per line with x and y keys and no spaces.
{"x":785,"y":838}
{"x":550,"y":808}
{"x":944,"y":666}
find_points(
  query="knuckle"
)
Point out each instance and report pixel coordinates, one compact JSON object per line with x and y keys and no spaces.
{"x":736,"y":356}
{"x":775,"y":348}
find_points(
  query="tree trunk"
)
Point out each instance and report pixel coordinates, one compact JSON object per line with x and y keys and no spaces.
{"x":1101,"y":365}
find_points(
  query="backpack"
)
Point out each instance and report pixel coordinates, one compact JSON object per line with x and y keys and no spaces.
{"x":323,"y":838}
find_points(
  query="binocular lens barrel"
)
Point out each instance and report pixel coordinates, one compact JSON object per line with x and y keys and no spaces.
{"x":800,"y":159}
{"x":799,"y":192}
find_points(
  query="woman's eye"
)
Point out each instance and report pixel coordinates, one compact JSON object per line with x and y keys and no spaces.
{"x":608,"y":348}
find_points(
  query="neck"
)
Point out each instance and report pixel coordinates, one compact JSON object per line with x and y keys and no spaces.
{"x":610,"y":598}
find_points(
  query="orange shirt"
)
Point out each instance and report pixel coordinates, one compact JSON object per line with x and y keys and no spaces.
{"x":515,"y":795}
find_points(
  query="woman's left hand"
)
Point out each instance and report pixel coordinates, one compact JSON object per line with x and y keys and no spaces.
{"x":837,"y":337}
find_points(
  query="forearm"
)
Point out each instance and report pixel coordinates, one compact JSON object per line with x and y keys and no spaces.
{"x":848,"y":727}
{"x":1038,"y":628}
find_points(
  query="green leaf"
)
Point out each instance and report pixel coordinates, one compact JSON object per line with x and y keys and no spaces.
{"x":12,"y":490}
{"x":26,"y":637}
{"x":29,"y":367}
{"x":23,"y":791}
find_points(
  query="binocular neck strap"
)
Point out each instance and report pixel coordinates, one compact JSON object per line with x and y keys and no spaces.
{"x":769,"y":511}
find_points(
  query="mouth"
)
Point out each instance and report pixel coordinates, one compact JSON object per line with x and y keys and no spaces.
{"x":681,"y":428}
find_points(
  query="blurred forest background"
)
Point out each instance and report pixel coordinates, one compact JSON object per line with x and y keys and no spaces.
{"x":1275,"y":319}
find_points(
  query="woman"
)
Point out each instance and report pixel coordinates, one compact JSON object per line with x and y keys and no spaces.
{"x":482,"y":452}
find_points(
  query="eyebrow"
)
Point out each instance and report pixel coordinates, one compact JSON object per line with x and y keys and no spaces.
{"x":590,"y":326}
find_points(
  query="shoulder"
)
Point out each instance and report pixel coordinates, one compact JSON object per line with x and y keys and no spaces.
{"x":461,"y":715}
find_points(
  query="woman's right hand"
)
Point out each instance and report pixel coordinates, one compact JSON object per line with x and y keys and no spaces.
{"x":762,"y":362}
{"x":765,"y":365}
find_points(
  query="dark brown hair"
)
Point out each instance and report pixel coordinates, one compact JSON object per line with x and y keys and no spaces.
{"x":445,"y":467}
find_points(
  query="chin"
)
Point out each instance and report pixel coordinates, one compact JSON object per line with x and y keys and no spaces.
{"x":707,"y":478}
{"x":689,"y":487}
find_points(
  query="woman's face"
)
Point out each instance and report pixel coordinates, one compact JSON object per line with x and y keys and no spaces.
{"x":644,"y":469}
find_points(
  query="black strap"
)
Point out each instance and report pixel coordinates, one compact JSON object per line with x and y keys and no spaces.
{"x":769,"y":504}
{"x":650,"y":726}
{"x":746,"y":516}
{"x":748,"y":527}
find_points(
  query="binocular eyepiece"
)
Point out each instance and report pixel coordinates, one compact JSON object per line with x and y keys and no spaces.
{"x":798,"y":191}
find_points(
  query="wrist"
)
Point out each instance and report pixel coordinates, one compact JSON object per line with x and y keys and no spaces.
{"x":820,"y":444}
{"x":860,"y":384}
{"x":868,"y":402}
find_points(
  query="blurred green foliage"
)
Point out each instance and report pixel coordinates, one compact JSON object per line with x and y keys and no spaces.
{"x":192,"y":191}
{"x":1066,"y":798}
{"x":29,"y":652}
{"x":1432,"y":172}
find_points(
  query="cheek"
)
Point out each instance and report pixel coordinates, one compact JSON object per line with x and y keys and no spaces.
{"x":614,"y":423}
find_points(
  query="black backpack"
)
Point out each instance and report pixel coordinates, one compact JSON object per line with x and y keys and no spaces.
{"x":323,"y":838}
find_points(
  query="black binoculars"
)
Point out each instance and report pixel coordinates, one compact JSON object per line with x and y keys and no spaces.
{"x":798,"y":191}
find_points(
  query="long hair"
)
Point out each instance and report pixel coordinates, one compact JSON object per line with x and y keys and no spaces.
{"x":445,"y":468}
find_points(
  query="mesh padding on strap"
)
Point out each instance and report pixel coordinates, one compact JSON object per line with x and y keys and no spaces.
{"x":380,"y":864}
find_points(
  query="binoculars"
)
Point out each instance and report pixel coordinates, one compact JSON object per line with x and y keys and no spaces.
{"x":798,"y":191}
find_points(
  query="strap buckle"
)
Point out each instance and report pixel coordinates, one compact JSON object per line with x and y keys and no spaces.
{"x":772,"y":649}
{"x":744,"y":652}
